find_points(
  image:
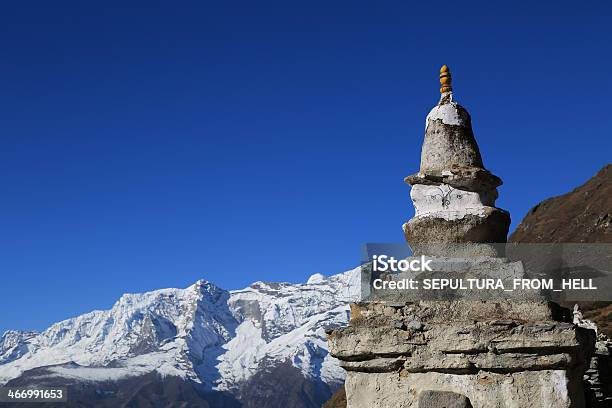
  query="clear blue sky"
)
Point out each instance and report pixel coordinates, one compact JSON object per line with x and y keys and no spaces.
{"x":153,"y":145}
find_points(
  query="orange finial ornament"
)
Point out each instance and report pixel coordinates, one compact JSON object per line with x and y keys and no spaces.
{"x":445,"y":80}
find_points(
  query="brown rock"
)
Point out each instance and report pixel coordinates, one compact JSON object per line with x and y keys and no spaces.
{"x":583,"y":215}
{"x":338,"y":400}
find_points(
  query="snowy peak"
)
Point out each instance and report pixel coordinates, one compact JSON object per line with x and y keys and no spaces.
{"x":202,"y":333}
{"x":285,"y":322}
{"x":172,"y":322}
{"x":14,"y":344}
{"x":316,"y":278}
{"x":278,"y":308}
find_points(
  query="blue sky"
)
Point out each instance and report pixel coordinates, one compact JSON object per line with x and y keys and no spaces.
{"x":153,"y":145}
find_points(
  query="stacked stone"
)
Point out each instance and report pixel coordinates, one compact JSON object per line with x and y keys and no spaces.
{"x":460,"y":352}
{"x":598,"y":376}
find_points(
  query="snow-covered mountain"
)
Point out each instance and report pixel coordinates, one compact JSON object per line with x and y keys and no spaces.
{"x":219,"y":341}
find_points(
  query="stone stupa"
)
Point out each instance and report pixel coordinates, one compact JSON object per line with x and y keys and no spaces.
{"x":498,"y":352}
{"x":453,"y":194}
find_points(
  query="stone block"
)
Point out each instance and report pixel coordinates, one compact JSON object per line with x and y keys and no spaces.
{"x":443,"y":399}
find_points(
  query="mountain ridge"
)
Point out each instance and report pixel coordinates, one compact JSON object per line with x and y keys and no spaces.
{"x":217,"y":342}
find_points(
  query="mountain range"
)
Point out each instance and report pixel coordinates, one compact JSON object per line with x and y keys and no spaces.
{"x":262,"y":346}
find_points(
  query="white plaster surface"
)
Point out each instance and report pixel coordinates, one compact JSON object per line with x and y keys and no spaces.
{"x":448,"y":113}
{"x":446,"y":202}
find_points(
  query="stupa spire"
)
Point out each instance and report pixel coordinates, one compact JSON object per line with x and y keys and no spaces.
{"x":445,"y":80}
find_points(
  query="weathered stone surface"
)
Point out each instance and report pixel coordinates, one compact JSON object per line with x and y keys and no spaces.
{"x":458,"y":176}
{"x":489,"y":227}
{"x":443,"y":399}
{"x":377,"y":365}
{"x":456,"y":346}
{"x":544,"y":388}
{"x":362,"y":343}
{"x":449,"y":139}
{"x":497,"y":354}
{"x":373,"y":314}
{"x":598,"y":376}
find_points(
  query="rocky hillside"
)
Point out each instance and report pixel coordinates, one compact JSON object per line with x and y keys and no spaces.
{"x":582,"y":215}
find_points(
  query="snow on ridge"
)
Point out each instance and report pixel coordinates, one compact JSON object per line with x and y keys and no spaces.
{"x":316,"y":278}
{"x":202,"y":333}
{"x":287,"y":322}
{"x":137,"y":324}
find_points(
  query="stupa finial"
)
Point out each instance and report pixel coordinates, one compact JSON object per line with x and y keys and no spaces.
{"x":445,"y":80}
